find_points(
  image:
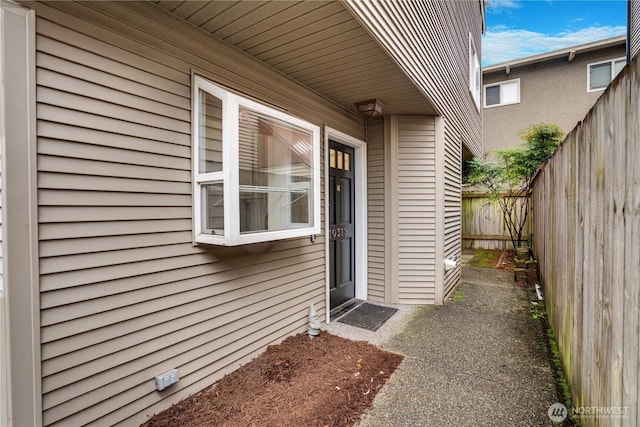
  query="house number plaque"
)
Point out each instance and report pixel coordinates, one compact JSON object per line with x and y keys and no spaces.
{"x":339,"y":232}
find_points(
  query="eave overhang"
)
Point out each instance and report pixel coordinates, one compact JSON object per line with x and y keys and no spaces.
{"x":316,"y":43}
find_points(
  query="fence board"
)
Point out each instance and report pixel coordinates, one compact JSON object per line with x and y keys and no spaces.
{"x":587,"y":228}
{"x":482,"y":224}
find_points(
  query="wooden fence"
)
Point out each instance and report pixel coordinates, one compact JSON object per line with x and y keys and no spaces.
{"x":482,"y":224}
{"x":587,"y":239}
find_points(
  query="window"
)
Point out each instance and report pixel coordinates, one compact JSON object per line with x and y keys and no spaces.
{"x":256,"y":170}
{"x":503,"y":93}
{"x":474,"y":73}
{"x":600,"y":74}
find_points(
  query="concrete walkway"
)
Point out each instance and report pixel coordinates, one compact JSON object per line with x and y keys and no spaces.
{"x":479,"y":360}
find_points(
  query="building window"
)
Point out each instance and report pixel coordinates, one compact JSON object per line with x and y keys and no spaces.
{"x":600,"y":74}
{"x":474,"y":73}
{"x":503,"y":93}
{"x":256,"y":173}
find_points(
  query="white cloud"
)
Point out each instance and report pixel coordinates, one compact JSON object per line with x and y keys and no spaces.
{"x":497,"y":5}
{"x":501,"y":44}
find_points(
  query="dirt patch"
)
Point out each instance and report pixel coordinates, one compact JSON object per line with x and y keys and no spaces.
{"x":507,"y":260}
{"x":325,"y":381}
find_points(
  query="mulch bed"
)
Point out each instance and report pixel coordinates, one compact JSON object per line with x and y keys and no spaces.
{"x":325,"y":381}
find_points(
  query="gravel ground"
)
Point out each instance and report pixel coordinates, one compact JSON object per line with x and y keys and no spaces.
{"x":478,"y":360}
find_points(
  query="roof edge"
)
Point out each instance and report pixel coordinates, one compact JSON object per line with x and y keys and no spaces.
{"x":572,"y":50}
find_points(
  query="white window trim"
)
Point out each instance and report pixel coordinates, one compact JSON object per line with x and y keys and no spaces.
{"x":475,"y":78}
{"x":229,"y":176}
{"x":484,"y":91}
{"x":612,"y":77}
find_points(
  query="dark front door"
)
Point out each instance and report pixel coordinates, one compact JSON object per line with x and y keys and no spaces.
{"x":341,"y":226}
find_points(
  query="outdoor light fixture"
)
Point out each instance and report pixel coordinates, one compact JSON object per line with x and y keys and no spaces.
{"x":370,"y":108}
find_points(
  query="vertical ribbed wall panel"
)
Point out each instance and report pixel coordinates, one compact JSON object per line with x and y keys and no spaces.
{"x":634,"y":28}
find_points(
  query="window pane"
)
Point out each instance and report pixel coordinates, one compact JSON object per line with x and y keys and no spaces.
{"x":340,"y":165}
{"x":213,"y":208}
{"x":492,"y":95}
{"x":347,"y":161}
{"x":476,"y":83}
{"x":275,"y":160}
{"x":210,"y":133}
{"x":273,"y":209}
{"x":618,"y":66}
{"x":509,"y":93}
{"x":254,"y":210}
{"x":332,"y":158}
{"x":300,"y":207}
{"x":477,"y":78}
{"x":600,"y":75}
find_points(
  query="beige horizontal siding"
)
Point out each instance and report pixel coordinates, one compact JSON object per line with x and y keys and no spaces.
{"x":60,"y":230}
{"x":376,"y":251}
{"x":416,"y":210}
{"x":125,"y":295}
{"x":130,"y":152}
{"x":52,"y":248}
{"x":160,"y":152}
{"x":70,"y":373}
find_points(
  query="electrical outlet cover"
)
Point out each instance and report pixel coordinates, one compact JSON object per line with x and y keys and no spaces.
{"x":168,"y":378}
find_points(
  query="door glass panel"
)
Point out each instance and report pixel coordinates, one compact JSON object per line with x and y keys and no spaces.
{"x":347,"y":161}
{"x":332,"y":158}
{"x":340,"y":160}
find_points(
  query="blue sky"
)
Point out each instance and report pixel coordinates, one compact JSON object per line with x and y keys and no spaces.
{"x":520,"y":28}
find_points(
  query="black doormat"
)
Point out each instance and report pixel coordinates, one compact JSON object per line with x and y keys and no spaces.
{"x":344,"y":308}
{"x":368,"y":316}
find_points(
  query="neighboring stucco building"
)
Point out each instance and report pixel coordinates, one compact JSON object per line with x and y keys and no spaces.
{"x":181,"y":180}
{"x":556,"y":87}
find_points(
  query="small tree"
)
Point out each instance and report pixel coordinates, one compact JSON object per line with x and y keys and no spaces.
{"x":509,"y":178}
